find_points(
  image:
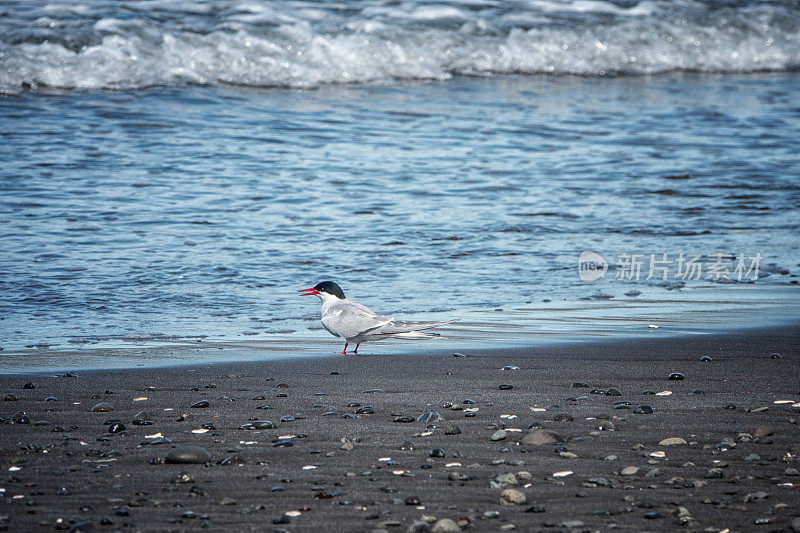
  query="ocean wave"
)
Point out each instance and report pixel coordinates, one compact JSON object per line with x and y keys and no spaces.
{"x":265,"y":45}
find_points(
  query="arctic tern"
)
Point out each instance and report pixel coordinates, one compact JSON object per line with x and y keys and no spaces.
{"x":358,"y":324}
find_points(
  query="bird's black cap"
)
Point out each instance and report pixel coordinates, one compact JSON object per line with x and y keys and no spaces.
{"x":331,"y":288}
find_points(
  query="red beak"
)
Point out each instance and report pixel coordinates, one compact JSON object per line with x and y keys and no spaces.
{"x":308,"y":292}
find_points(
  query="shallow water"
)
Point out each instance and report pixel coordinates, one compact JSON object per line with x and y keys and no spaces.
{"x":149,"y":217}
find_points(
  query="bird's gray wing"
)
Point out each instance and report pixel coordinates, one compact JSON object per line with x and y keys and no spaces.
{"x":349,"y":319}
{"x":394,"y":327}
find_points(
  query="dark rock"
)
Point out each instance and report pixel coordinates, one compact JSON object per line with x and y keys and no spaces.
{"x":505,"y":386}
{"x":452,"y":430}
{"x":676,"y":376}
{"x":437,"y":452}
{"x":10,"y":398}
{"x":406,"y":445}
{"x":579,"y":385}
{"x":366,"y":410}
{"x":613,"y":391}
{"x":102,"y":407}
{"x":116,"y":427}
{"x":643,"y":410}
{"x":535,"y":509}
{"x":776,"y":356}
{"x":403,"y":419}
{"x":202,"y":404}
{"x":563,"y":417}
{"x":706,"y":359}
{"x":29,"y":385}
{"x":188,"y":455}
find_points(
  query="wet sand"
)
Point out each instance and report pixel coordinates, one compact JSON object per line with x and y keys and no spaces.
{"x":331,"y":455}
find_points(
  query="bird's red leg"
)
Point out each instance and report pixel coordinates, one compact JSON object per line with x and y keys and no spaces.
{"x":356,"y":350}
{"x":343,"y":352}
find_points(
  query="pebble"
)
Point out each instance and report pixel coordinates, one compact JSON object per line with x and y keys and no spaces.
{"x":188,"y":455}
{"x":675,"y":376}
{"x":430,"y":417}
{"x":579,"y":385}
{"x":644,"y":409}
{"x":629,"y":471}
{"x":403,"y":419}
{"x":10,"y":398}
{"x":672,"y":441}
{"x":762,"y":431}
{"x":571,"y":524}
{"x":563,"y":417}
{"x":776,"y":356}
{"x":29,"y":385}
{"x":437,"y":452}
{"x":202,"y":404}
{"x":706,"y":359}
{"x":613,"y":392}
{"x":452,"y":430}
{"x":232,"y":460}
{"x":419,"y":527}
{"x":504,"y":480}
{"x":258,"y":425}
{"x":500,"y":434}
{"x":512,"y":497}
{"x":102,"y":407}
{"x":510,"y":367}
{"x":542,"y":436}
{"x":445,"y":525}
{"x":458,"y":355}
{"x":506,"y":386}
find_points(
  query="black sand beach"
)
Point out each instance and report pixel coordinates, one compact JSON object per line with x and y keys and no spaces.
{"x":345,"y":452}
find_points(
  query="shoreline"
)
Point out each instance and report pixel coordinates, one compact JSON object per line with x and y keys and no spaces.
{"x":177,"y":354}
{"x":336,"y":451}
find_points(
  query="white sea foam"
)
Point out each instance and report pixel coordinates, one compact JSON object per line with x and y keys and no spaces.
{"x":267,"y":44}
